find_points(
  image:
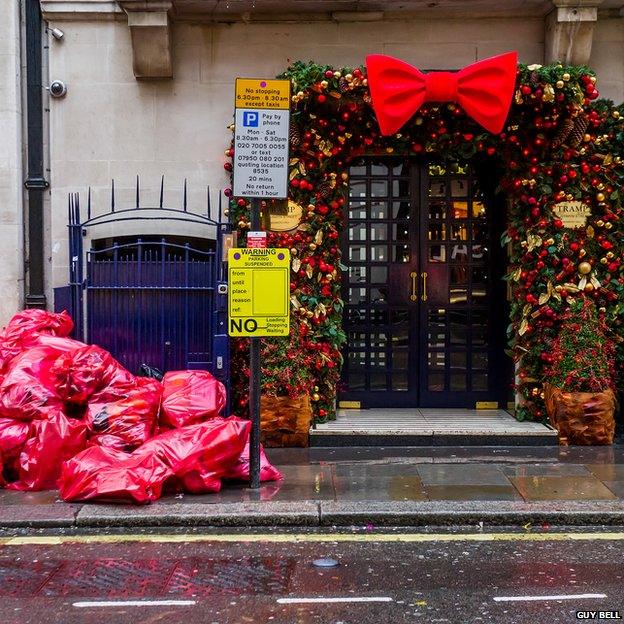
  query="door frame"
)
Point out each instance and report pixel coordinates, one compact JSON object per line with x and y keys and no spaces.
{"x":500,"y":367}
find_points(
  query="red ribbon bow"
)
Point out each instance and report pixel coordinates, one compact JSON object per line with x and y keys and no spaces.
{"x":484,"y":90}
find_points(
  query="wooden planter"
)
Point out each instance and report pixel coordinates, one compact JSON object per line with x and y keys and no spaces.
{"x":581,"y":417}
{"x":285,"y":421}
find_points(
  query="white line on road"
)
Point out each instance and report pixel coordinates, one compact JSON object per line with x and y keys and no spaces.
{"x":330,"y":599}
{"x":134,"y":603}
{"x":535,"y":598}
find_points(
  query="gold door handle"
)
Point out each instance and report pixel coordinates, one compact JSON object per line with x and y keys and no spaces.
{"x":424,"y":285}
{"x":413,"y":296}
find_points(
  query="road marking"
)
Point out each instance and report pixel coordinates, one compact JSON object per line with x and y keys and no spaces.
{"x":536,"y":598}
{"x":53,"y":540}
{"x":134,"y":603}
{"x":327,"y":599}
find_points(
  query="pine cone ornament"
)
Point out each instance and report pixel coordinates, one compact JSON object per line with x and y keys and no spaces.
{"x":294,"y":135}
{"x":566,"y":127}
{"x":578,"y":132}
{"x":343,"y":85}
{"x":324,"y":189}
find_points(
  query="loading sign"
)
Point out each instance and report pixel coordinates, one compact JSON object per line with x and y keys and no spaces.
{"x":259,"y":292}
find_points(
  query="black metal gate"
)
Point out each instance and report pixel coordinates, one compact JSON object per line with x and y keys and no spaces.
{"x":156,"y":300}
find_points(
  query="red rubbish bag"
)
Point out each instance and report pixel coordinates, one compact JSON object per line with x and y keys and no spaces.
{"x":240,"y":471}
{"x":129,"y":421}
{"x":197,"y":455}
{"x":13,"y":436}
{"x":54,"y":440}
{"x":25,"y":326}
{"x":28,"y":390}
{"x":190,"y":397}
{"x":105,"y":474}
{"x":81,"y":373}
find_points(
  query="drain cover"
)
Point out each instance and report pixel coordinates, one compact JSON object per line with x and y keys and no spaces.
{"x":325,"y":562}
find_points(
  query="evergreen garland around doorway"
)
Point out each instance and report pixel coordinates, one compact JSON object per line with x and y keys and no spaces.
{"x":560,"y":144}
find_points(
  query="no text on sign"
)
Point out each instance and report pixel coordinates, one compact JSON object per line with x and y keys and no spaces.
{"x":259,"y":292}
{"x":261,"y":138}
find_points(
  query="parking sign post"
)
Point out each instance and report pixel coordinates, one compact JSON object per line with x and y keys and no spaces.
{"x":260,"y":172}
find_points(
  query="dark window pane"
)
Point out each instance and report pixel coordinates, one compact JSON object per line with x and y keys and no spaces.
{"x":458,"y":323}
{"x":459,"y":187}
{"x":356,"y":381}
{"x":479,"y":359}
{"x":357,"y":232}
{"x":401,"y":210}
{"x":436,"y":382}
{"x":379,"y":275}
{"x":399,"y":382}
{"x":357,"y":295}
{"x":400,"y":253}
{"x":458,"y":381}
{"x":458,"y":360}
{"x":379,"y":253}
{"x":357,"y":210}
{"x":379,"y":188}
{"x":436,"y":360}
{"x":400,"y":359}
{"x":437,"y":253}
{"x":358,"y":188}
{"x":378,"y":381}
{"x":379,"y":231}
{"x":479,"y":381}
{"x":357,"y":253}
{"x":437,"y":188}
{"x":379,"y":210}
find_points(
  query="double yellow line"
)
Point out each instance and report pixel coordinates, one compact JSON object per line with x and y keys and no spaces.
{"x":55,"y":540}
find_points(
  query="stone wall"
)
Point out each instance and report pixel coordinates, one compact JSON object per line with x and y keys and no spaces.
{"x":112,"y":126}
{"x":11,"y":224}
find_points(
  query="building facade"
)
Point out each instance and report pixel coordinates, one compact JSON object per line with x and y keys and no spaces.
{"x":149,"y":93}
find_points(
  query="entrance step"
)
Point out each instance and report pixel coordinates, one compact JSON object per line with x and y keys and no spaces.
{"x":429,"y":427}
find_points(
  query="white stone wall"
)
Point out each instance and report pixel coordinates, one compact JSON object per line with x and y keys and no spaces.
{"x":11,"y":225}
{"x":111,"y":126}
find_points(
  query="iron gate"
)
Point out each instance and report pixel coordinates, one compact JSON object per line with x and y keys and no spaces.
{"x":149,"y":300}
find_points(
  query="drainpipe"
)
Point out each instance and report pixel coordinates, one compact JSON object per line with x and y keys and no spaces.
{"x":35,"y":182}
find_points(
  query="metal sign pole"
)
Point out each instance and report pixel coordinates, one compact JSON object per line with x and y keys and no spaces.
{"x":254,"y":383}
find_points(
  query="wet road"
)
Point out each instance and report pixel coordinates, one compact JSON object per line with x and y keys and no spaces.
{"x":537,"y":577}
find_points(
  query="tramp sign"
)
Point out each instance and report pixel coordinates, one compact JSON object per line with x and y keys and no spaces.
{"x":259,"y":292}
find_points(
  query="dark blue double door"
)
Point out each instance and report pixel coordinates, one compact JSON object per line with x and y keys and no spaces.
{"x":424,"y":303}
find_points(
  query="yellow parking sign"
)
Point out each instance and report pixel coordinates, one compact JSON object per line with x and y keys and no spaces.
{"x":259,"y":292}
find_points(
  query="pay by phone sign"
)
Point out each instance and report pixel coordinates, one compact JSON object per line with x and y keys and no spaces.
{"x":259,"y":292}
{"x":261,"y":138}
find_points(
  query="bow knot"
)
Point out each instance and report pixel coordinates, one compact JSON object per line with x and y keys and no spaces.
{"x":484,"y":90}
{"x":440,"y":87}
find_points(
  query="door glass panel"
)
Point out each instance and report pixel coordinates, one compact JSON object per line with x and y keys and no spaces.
{"x":458,"y":327}
{"x":437,"y":188}
{"x":357,"y":253}
{"x":357,"y":170}
{"x":458,"y":382}
{"x":479,"y":359}
{"x":437,"y":253}
{"x":435,"y":382}
{"x":379,"y":253}
{"x":379,"y":231}
{"x":379,"y":188}
{"x":357,"y":232}
{"x":399,"y":381}
{"x":400,"y":359}
{"x":378,"y":381}
{"x":459,"y":209}
{"x":478,"y":210}
{"x":379,"y":169}
{"x":357,"y":273}
{"x":459,"y":275}
{"x":357,"y":210}
{"x":357,"y":360}
{"x":357,"y":295}
{"x":479,"y":382}
{"x":459,"y":231}
{"x":458,"y":359}
{"x":358,"y":188}
{"x":379,"y":295}
{"x":437,"y":210}
{"x":379,"y":210}
{"x":401,"y":210}
{"x":379,"y":275}
{"x":356,"y":381}
{"x":400,"y":231}
{"x":437,"y":231}
{"x":400,"y":253}
{"x":436,"y":360}
{"x":400,"y":188}
{"x":459,"y":252}
{"x":459,"y":188}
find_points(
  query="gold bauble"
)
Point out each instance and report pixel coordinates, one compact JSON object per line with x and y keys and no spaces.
{"x":294,"y":251}
{"x":309,"y":314}
{"x":324,"y":84}
{"x":589,"y":287}
{"x":316,"y":388}
{"x":582,"y":253}
{"x":559,"y":84}
{"x":603,"y":260}
{"x":349,"y":77}
{"x":600,"y":197}
{"x":316,"y":396}
{"x":610,"y":254}
{"x":312,"y":246}
{"x":600,"y":223}
{"x":337,"y":74}
{"x":584,"y":268}
{"x":565,"y":77}
{"x":608,"y":225}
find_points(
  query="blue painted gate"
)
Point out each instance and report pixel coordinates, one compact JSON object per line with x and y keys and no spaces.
{"x":158,"y":300}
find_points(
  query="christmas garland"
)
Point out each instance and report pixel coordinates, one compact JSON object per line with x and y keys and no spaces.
{"x":559,"y":144}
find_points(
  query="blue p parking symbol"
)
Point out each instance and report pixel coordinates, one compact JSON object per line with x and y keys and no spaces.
{"x":250,"y":119}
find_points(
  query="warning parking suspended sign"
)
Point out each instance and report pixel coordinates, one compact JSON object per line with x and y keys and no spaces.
{"x":261,"y":138}
{"x":259,"y":292}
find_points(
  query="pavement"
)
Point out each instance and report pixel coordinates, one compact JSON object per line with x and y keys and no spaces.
{"x":371,"y":487}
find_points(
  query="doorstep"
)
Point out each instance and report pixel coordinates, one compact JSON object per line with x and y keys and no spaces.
{"x":429,"y":427}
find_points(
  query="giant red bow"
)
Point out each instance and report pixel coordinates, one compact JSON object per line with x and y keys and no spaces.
{"x":484,"y":90}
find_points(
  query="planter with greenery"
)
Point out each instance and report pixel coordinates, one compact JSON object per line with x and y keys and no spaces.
{"x":579,"y":391}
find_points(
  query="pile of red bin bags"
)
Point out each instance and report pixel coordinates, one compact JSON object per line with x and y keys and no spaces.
{"x":72,"y":417}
